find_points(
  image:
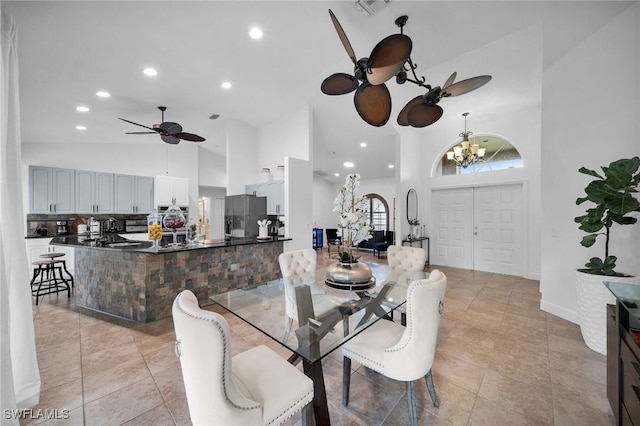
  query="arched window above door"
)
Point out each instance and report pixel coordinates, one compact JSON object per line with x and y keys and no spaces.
{"x":499,"y":154}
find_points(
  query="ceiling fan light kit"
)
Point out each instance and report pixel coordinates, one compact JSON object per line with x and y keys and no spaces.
{"x":392,"y":57}
{"x":169,"y":131}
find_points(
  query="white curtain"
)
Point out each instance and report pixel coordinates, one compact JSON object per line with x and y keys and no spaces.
{"x":20,"y":378}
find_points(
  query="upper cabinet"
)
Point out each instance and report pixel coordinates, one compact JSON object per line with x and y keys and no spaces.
{"x":274,"y":191}
{"x":94,"y":192}
{"x":54,"y":190}
{"x":168,"y":188}
{"x":133,"y":194}
{"x":51,"y":190}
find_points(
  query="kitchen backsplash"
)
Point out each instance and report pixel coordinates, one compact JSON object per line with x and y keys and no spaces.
{"x":45,"y":224}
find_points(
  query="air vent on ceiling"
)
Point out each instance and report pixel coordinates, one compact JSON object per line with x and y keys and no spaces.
{"x":214,"y":116}
{"x":369,"y":7}
{"x":320,"y":173}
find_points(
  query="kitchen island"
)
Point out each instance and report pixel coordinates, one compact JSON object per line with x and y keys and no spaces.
{"x":130,"y":279}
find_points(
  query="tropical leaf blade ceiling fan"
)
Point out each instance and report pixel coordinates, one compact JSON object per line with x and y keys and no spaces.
{"x":169,"y":131}
{"x":372,"y":98}
{"x":392,"y":57}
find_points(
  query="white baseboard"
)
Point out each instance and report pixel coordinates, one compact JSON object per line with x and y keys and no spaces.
{"x":533,"y":276}
{"x":559,"y":311}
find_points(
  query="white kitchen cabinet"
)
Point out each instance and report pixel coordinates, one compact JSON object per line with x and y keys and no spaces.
{"x":275,"y":197}
{"x":94,"y":192}
{"x":133,"y":194}
{"x":51,"y":190}
{"x":274,"y":191}
{"x":37,"y":246}
{"x":169,"y":187}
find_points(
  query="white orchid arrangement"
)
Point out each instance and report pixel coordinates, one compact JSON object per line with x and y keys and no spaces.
{"x":353,"y":218}
{"x":263,"y":223}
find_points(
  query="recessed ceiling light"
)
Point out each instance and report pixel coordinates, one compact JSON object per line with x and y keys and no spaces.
{"x":81,"y":127}
{"x":391,"y":166}
{"x":255,"y":33}
{"x":363,"y":144}
{"x":151,"y":72}
{"x":348,"y":164}
{"x":225,"y":85}
{"x":82,"y":108}
{"x":336,"y":174}
{"x":102,"y":94}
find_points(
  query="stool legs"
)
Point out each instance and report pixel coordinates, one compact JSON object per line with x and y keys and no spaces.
{"x":51,"y":283}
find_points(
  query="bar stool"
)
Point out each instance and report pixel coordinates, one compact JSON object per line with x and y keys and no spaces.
{"x":56,"y":256}
{"x":51,"y":278}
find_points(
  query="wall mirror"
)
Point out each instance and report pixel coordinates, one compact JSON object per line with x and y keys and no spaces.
{"x":412,"y":205}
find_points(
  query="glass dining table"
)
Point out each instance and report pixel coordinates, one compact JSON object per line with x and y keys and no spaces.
{"x":322,"y":318}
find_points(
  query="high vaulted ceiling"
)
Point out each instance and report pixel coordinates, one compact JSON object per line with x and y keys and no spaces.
{"x":69,"y":50}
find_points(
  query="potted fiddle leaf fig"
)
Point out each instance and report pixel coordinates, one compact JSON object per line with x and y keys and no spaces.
{"x":613,"y":201}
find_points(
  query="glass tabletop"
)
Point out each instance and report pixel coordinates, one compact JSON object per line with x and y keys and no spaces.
{"x":322,"y":318}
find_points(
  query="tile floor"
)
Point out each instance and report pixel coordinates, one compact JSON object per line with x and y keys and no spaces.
{"x":500,"y":361}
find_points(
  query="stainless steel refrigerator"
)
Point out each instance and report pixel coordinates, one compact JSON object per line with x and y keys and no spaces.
{"x":242,"y":213}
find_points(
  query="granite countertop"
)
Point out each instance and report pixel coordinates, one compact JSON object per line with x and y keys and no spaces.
{"x":33,"y":236}
{"x":119,"y":243}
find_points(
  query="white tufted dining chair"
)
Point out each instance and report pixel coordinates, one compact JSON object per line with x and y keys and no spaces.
{"x":403,"y":262}
{"x":402,"y":353}
{"x":299,"y":266}
{"x":246,"y":389}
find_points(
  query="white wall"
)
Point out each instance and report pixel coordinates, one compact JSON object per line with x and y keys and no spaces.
{"x":242,"y":144}
{"x":323,"y":195}
{"x":142,"y":159}
{"x":290,"y":136}
{"x":409,"y":148}
{"x":212,"y":169}
{"x":298,"y":204}
{"x":582,"y":126}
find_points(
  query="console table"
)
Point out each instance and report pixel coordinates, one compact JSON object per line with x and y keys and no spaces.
{"x":410,"y":241}
{"x":623,"y":353}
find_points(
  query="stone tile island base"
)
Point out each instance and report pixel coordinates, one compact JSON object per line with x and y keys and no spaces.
{"x":142,"y":286}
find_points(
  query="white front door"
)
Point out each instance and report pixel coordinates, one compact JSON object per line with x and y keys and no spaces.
{"x":452,"y":244}
{"x":479,"y":228}
{"x":498,"y":230}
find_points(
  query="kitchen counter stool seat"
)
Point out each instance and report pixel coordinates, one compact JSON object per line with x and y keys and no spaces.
{"x":48,"y":278}
{"x":56,"y":255}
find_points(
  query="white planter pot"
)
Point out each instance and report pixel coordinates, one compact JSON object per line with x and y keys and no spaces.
{"x":593,"y":297}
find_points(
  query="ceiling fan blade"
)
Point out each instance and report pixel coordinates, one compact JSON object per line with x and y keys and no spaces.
{"x":466,"y":86}
{"x":387,"y":58}
{"x":339,"y":84}
{"x":403,"y":117}
{"x":373,"y":103}
{"x":140,"y":133}
{"x":189,"y":137}
{"x":170,"y":127}
{"x":343,"y":37}
{"x":170,"y":139}
{"x":137,"y":124}
{"x":423,"y":115}
{"x":450,"y":80}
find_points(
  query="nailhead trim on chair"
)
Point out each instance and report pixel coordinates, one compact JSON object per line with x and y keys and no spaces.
{"x":412,"y":289}
{"x":224,"y":360}
{"x":290,"y":415}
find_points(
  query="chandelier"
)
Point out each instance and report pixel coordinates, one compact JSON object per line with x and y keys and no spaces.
{"x":466,"y":153}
